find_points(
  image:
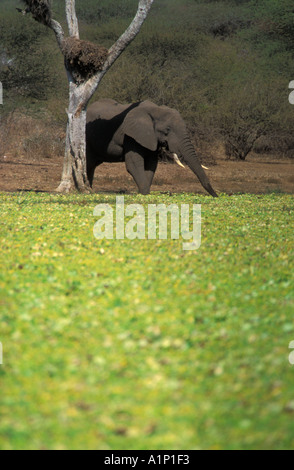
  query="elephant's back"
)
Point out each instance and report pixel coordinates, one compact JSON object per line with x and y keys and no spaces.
{"x":105,"y":109}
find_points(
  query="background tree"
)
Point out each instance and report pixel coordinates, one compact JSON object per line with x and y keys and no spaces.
{"x":86,"y":64}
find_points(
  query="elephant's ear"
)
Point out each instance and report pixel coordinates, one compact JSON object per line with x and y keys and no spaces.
{"x":138,"y":124}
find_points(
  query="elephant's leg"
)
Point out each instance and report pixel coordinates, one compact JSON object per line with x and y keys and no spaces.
{"x":135,"y":166}
{"x":141,"y":163}
{"x":151,"y":162}
{"x":92,"y":162}
{"x":90,"y":173}
{"x":91,"y":167}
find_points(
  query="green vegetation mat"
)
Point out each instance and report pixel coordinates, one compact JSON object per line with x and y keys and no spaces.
{"x":120,"y":344}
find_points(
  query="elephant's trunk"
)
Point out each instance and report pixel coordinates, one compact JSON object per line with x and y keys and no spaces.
{"x":190,"y":158}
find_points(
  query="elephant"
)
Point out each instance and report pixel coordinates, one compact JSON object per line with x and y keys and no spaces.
{"x":135,"y":133}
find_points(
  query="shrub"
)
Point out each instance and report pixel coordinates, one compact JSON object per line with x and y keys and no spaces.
{"x":36,"y":136}
{"x":275,"y":19}
{"x":251,"y":111}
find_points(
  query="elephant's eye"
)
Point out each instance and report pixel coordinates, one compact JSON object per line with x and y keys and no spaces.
{"x":164,"y":131}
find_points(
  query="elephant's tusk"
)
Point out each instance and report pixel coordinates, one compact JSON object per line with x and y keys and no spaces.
{"x":205,"y":167}
{"x":177,"y":160}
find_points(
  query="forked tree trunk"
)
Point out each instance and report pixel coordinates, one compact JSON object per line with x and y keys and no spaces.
{"x":74,"y":175}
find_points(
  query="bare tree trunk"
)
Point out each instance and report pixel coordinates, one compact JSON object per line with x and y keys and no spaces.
{"x":74,"y":175}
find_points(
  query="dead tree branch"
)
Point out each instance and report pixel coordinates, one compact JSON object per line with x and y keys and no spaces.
{"x":71,"y":17}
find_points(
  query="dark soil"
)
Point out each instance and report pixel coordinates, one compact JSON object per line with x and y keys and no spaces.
{"x":257,"y":175}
